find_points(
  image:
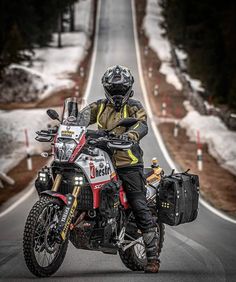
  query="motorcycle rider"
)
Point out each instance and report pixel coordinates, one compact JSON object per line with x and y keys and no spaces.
{"x":117,"y":82}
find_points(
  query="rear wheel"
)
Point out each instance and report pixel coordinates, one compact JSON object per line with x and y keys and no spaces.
{"x":43,"y":254}
{"x":134,"y":257}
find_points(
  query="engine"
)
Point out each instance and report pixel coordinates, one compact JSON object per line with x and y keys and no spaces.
{"x":99,"y":227}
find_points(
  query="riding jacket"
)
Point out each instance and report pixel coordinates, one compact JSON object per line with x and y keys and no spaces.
{"x":104,"y":114}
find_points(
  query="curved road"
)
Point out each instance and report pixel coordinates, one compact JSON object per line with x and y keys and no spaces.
{"x":200,"y":251}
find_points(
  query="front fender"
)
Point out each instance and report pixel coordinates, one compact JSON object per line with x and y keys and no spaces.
{"x":54,"y":194}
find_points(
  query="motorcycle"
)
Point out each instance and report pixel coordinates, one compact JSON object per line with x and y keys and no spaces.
{"x":81,"y":198}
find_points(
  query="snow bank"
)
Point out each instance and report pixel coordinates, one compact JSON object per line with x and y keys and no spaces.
{"x":59,"y":62}
{"x":159,"y":44}
{"x":12,"y":125}
{"x":22,"y":84}
{"x":182,"y":57}
{"x":220,"y":140}
{"x":51,"y":66}
{"x":49,"y":72}
{"x":195,"y":83}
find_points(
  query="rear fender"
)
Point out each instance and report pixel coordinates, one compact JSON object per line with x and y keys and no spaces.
{"x":55,"y":195}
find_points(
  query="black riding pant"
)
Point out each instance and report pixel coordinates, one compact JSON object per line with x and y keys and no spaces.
{"x":134,"y":185}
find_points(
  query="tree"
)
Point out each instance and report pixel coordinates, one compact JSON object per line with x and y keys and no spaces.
{"x":206,"y":30}
{"x":25,"y":24}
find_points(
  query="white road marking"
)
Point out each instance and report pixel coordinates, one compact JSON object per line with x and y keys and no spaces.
{"x":154,"y":127}
{"x":210,"y":260}
{"x":148,"y":107}
{"x":20,"y":200}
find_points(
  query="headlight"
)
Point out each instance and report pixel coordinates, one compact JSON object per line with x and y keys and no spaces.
{"x":79,"y":180}
{"x":64,"y":149}
{"x":43,"y":176}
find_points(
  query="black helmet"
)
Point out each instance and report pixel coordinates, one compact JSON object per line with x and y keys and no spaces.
{"x":117,"y":82}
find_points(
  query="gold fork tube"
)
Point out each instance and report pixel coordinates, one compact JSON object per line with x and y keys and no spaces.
{"x":76,"y":191}
{"x":57,"y":183}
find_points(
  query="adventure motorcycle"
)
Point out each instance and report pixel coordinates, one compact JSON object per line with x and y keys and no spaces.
{"x":81,"y":198}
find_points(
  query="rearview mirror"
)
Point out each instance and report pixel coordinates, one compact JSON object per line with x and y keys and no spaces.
{"x":53,"y":114}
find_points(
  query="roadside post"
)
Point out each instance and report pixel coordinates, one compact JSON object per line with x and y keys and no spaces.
{"x":199,"y":152}
{"x":156,"y":90}
{"x":150,"y":72}
{"x":163,"y":108}
{"x":176,"y":128}
{"x":146,"y":50}
{"x":81,"y":71}
{"x":177,"y":121}
{"x":5,"y":178}
{"x":77,"y":90}
{"x":29,"y":159}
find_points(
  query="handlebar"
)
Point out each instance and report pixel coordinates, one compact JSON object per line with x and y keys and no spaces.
{"x":95,"y":137}
{"x":46,"y":135}
{"x":112,"y":142}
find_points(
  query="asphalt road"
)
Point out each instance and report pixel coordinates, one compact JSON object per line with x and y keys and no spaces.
{"x":199,"y":251}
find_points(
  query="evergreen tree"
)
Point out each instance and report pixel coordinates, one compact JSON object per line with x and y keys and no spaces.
{"x":25,"y":24}
{"x":206,"y":30}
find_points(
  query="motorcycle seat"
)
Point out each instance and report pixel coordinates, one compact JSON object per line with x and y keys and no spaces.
{"x":148,"y":171}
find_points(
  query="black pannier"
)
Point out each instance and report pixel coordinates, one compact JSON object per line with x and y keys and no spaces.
{"x":177,"y":198}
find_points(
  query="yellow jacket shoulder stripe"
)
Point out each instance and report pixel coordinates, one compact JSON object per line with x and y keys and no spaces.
{"x":99,"y":113}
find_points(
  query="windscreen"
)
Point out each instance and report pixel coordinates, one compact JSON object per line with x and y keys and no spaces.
{"x":75,"y":112}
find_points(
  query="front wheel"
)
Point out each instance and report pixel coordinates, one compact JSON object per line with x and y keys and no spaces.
{"x":43,"y":254}
{"x":134,"y":257}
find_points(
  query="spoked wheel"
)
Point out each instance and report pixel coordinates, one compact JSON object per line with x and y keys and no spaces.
{"x":43,"y":254}
{"x":134,"y":257}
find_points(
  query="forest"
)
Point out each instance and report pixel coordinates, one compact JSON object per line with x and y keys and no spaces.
{"x":26,"y":24}
{"x":206,"y":31}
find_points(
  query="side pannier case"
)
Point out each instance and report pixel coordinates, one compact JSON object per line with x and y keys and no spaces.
{"x":177,"y":198}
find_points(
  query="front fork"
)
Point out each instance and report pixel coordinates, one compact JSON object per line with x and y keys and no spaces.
{"x":68,"y":210}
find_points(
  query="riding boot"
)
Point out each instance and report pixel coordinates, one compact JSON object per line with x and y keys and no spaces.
{"x":150,"y":239}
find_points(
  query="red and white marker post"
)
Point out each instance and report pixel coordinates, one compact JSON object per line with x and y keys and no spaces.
{"x":29,"y":159}
{"x":156,"y":90}
{"x":163,"y":108}
{"x":199,"y":152}
{"x":150,"y":72}
{"x":77,"y":91}
{"x":176,"y":128}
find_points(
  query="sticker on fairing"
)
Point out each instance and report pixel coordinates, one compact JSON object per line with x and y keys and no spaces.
{"x":67,"y":133}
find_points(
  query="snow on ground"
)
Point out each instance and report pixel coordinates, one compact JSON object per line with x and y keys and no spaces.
{"x":48,"y":73}
{"x":220,"y":140}
{"x":58,"y":62}
{"x":51,"y":66}
{"x":12,"y":126}
{"x":22,"y":84}
{"x":195,"y":83}
{"x":159,"y":44}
